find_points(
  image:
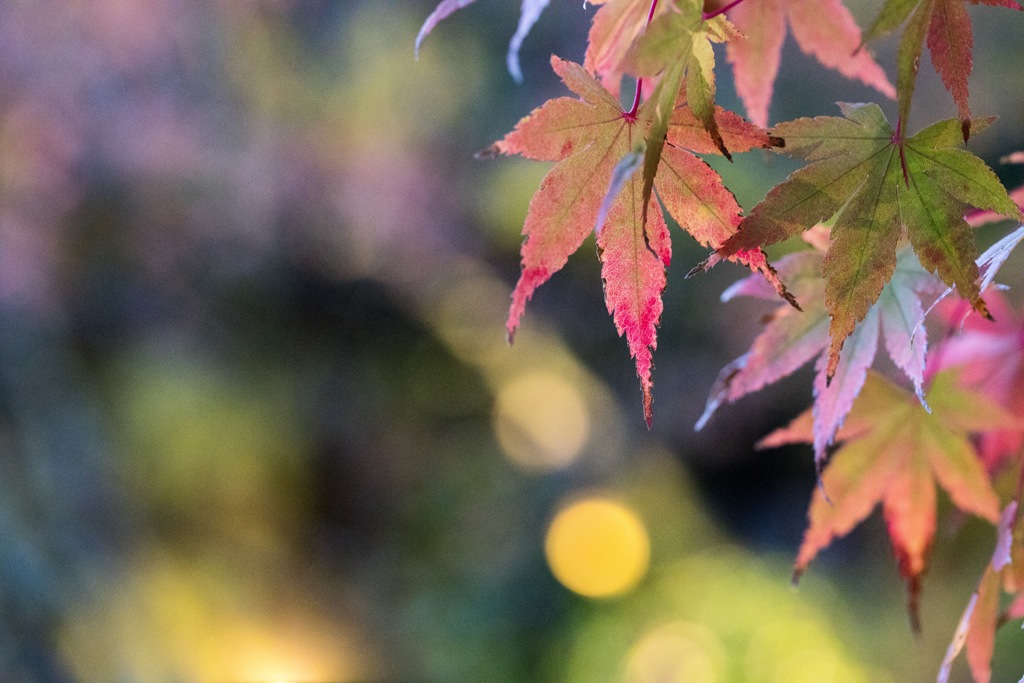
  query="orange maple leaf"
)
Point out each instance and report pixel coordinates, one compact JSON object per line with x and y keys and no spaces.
{"x":894,"y":452}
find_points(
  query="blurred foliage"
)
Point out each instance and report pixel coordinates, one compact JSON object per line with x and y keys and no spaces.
{"x":257,"y":416}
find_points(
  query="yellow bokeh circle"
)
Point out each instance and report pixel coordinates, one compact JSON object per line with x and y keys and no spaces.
{"x":541,"y":421}
{"x":678,"y":652}
{"x":597,"y":547}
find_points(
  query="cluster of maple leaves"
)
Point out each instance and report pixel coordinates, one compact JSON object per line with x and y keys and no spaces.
{"x":899,"y":210}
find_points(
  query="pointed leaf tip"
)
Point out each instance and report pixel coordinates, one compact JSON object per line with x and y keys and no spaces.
{"x":528,"y":16}
{"x":914,"y":605}
{"x":798,"y":573}
{"x":441,"y":12}
{"x":529,"y":280}
{"x":758,"y":260}
{"x":981,"y":308}
{"x":703,"y":267}
{"x":491,"y":152}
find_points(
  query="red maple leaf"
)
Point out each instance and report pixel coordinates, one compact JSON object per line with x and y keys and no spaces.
{"x":590,"y":138}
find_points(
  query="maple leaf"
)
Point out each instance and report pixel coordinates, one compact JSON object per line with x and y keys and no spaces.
{"x":631,"y":36}
{"x":677,"y":45}
{"x":695,"y":196}
{"x":990,"y":356}
{"x":979,"y":218}
{"x":529,"y":14}
{"x":618,"y":24}
{"x":615,"y":27}
{"x":977,"y":627}
{"x":661,"y":46}
{"x":666,"y":49}
{"x":946,"y":27}
{"x":878,"y":186}
{"x":989,"y":264}
{"x":590,"y":138}
{"x":672,"y":44}
{"x":790,"y":339}
{"x":893,"y":453}
{"x":822,"y":28}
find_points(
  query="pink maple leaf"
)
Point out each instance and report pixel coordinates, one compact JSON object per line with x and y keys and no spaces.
{"x":822,"y":28}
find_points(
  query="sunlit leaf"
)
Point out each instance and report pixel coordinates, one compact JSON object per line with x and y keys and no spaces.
{"x":877,"y":189}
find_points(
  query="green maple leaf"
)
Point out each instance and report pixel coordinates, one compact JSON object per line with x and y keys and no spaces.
{"x":879,"y":187}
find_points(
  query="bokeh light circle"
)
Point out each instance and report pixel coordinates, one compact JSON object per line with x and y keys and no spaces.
{"x":541,"y":421}
{"x":597,"y":547}
{"x":677,"y":652}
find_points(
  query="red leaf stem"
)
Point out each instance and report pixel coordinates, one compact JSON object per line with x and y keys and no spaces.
{"x":631,"y":114}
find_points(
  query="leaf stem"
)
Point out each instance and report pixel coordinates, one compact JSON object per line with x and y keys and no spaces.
{"x":631,"y":114}
{"x":897,"y":139}
{"x":721,"y":10}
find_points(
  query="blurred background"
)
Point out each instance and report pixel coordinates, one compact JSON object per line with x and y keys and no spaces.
{"x":258,"y":419}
